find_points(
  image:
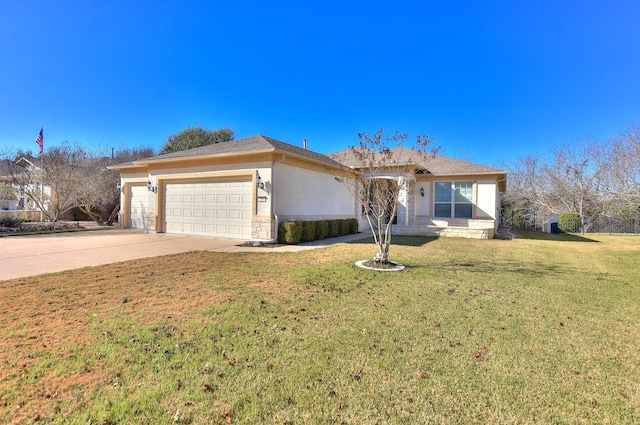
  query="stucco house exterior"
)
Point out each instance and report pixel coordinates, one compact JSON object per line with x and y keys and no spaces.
{"x":243,"y":188}
{"x":444,"y":197}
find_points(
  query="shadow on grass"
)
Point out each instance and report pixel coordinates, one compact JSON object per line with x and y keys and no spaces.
{"x":400,"y":240}
{"x":562,"y":237}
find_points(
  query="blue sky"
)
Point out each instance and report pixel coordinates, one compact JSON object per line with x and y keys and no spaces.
{"x":489,"y":81}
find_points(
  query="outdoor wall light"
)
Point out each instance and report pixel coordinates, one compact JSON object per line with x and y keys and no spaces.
{"x":259,"y":182}
{"x":422,"y":191}
{"x":151,"y":187}
{"x":119,"y":187}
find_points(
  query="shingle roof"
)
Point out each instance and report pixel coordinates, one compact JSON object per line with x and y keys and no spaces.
{"x":246,"y":145}
{"x":434,"y":164}
{"x":8,"y":168}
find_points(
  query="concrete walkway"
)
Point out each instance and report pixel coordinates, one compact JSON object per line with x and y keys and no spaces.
{"x":22,"y":256}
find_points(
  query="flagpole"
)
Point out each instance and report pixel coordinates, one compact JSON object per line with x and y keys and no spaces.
{"x":42,"y":175}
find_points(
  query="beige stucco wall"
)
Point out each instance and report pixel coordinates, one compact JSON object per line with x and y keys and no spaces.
{"x":486,"y":199}
{"x":423,"y":203}
{"x":308,"y":194}
{"x":264,"y":195}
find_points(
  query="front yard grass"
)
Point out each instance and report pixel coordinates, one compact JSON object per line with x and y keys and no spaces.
{"x":523,"y":331}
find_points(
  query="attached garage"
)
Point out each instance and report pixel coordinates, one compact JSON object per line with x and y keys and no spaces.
{"x":138,"y":201}
{"x":228,"y":190}
{"x":220,"y":208}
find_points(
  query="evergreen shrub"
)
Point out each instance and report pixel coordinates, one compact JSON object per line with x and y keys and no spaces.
{"x":322,"y":229}
{"x":344,"y":227}
{"x":353,"y":225}
{"x":569,"y":222}
{"x":308,"y":231}
{"x":293,"y":232}
{"x":334,"y":228}
{"x":290,"y":232}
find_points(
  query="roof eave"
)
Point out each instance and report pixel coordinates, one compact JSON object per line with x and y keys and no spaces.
{"x":467,"y":173}
{"x":152,"y":161}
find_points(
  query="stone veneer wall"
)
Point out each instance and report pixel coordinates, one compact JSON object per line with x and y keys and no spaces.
{"x":262,"y":228}
{"x":474,"y":223}
{"x":435,"y":231}
{"x":150,"y":220}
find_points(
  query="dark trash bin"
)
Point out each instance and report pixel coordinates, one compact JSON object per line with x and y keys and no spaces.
{"x":554,"y":228}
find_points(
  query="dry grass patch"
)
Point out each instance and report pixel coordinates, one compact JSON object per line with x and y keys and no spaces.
{"x":523,"y":331}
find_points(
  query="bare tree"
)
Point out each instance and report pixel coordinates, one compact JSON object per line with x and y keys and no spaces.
{"x":525,"y":196}
{"x":96,"y":192}
{"x":73,"y":177}
{"x":621,"y":172}
{"x":570,"y":181}
{"x":383,"y":169}
{"x":96,"y":188}
{"x":62,"y":169}
{"x":574,"y":178}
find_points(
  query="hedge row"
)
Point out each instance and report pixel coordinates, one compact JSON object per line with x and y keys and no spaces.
{"x":293,"y":232}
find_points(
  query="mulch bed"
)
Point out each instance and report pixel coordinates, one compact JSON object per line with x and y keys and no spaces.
{"x":250,"y":244}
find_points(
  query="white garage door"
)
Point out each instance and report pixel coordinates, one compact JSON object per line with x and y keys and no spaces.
{"x":138,"y":201}
{"x":214,"y":208}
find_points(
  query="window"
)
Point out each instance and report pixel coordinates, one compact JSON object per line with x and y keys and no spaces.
{"x":453,"y":199}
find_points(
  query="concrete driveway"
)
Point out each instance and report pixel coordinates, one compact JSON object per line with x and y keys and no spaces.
{"x":22,"y":256}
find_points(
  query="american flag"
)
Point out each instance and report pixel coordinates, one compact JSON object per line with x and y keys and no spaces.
{"x":40,"y":141}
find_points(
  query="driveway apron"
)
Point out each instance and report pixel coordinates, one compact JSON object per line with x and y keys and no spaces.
{"x":22,"y":256}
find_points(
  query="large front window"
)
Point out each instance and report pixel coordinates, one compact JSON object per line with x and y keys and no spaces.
{"x":454,"y":199}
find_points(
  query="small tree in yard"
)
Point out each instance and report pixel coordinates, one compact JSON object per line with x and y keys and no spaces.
{"x":382,"y":171}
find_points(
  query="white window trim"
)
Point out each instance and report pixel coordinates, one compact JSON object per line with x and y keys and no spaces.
{"x":452,"y":202}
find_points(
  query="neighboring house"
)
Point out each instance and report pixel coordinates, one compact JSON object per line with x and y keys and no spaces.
{"x":6,"y":177}
{"x":30,"y":176}
{"x":8,"y":172}
{"x":244,"y":188}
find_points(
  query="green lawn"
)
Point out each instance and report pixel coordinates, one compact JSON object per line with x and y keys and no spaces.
{"x":540,"y":329}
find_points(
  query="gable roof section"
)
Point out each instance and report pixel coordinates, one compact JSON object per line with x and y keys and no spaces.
{"x":437,"y":165}
{"x":8,"y":168}
{"x":5,"y":168}
{"x":244,"y":146}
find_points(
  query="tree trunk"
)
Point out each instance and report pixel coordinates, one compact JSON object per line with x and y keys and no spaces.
{"x":114,"y":214}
